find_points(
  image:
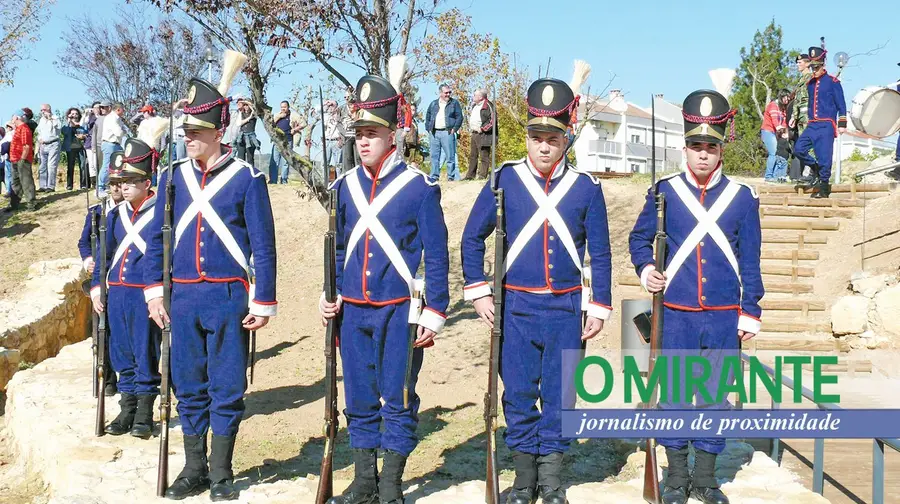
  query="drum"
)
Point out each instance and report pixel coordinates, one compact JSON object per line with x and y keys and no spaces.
{"x":876,"y":111}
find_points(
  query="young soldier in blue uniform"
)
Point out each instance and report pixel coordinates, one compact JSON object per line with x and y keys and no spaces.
{"x":827,"y":117}
{"x":134,"y":338}
{"x":554,"y":214}
{"x":388,"y":215}
{"x":87,"y":256}
{"x":222,"y":220}
{"x":712,"y":281}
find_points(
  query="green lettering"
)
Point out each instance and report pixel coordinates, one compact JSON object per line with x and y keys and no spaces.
{"x":772,"y":384}
{"x":580,"y":388}
{"x":633,"y":378}
{"x":690,"y":380}
{"x":731,"y":365}
{"x":819,"y":379}
{"x":797,"y":361}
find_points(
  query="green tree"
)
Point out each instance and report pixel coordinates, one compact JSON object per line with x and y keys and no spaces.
{"x":766,"y":67}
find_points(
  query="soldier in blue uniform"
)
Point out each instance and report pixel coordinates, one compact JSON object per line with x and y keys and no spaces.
{"x":86,"y":252}
{"x":712,"y":281}
{"x":388,"y":215}
{"x":134,"y":338}
{"x":827,"y":118}
{"x":222,"y":220}
{"x":554,"y":214}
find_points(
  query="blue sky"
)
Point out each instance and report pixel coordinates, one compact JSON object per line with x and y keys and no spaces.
{"x":650,"y":46}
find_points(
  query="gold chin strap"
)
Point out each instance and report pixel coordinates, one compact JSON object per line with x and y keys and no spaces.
{"x":193,"y":121}
{"x":365,"y":115}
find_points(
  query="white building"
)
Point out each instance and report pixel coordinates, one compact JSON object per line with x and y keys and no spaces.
{"x":616,"y":136}
{"x":852,"y":140}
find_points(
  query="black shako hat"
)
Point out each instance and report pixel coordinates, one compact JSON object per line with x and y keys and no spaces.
{"x":706,"y":114}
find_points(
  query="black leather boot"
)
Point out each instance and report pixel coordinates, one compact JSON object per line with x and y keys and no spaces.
{"x":194,"y":478}
{"x":143,"y":418}
{"x":122,"y":423}
{"x":549,"y":467}
{"x":824,"y":190}
{"x":811,"y":179}
{"x":704,"y":486}
{"x":677,"y":485}
{"x":221,"y":477}
{"x":525,"y":485}
{"x":364,"y":488}
{"x":391,"y":478}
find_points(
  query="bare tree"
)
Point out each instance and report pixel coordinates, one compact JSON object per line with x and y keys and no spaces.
{"x":19,"y":29}
{"x":129,"y":62}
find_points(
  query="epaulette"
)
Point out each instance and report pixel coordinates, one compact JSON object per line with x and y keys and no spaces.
{"x":340,"y":177}
{"x":592,"y":178}
{"x":748,"y":186}
{"x":665,"y":177}
{"x":836,"y":79}
{"x":254,"y":172}
{"x":425,"y":176}
{"x":508,"y":163}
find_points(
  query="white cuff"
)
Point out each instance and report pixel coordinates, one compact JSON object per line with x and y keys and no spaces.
{"x":263,"y":310}
{"x":645,"y":273}
{"x":95,"y":292}
{"x":749,"y":324}
{"x":476,"y":291}
{"x":151,"y":293}
{"x":430,"y":319}
{"x":85,"y":262}
{"x":598,"y":311}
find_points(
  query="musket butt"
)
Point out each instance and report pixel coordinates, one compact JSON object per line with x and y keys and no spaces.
{"x":405,"y":397}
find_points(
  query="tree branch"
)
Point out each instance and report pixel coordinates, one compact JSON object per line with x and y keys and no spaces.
{"x":407,"y":26}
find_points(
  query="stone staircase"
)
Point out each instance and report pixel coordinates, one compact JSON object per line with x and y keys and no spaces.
{"x":795,"y":228}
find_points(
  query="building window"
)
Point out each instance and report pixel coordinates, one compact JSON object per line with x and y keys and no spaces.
{"x":635,"y":168}
{"x":635,"y":139}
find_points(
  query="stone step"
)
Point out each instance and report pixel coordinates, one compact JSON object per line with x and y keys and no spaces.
{"x":791,"y":271}
{"x":790,"y":254}
{"x":806,"y":225}
{"x":792,"y":305}
{"x":860,"y":195}
{"x":793,"y":326}
{"x":835,"y":188}
{"x":763,"y":343}
{"x":772,"y":200}
{"x":843,"y":365}
{"x":820,"y":212}
{"x":779,"y":236}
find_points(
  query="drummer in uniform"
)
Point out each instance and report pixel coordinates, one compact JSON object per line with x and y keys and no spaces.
{"x":223,"y":223}
{"x":554,"y":214}
{"x":134,"y":338}
{"x":712,"y":284}
{"x":388,"y":216}
{"x":827,"y":119}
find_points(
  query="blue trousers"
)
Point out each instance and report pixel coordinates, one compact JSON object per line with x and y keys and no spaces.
{"x":374,"y":342}
{"x":771,"y":142}
{"x":278,"y":166}
{"x":819,"y":136}
{"x":134,"y":341}
{"x":209,"y":356}
{"x":103,"y":173}
{"x":709,"y":334}
{"x":537,"y":329}
{"x":443,"y":141}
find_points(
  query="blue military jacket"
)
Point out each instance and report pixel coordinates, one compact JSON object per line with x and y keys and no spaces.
{"x":713,"y":246}
{"x":84,"y":243}
{"x":126,"y":242}
{"x":826,"y":101}
{"x":385,"y":222}
{"x":222,"y":226}
{"x":550,"y":223}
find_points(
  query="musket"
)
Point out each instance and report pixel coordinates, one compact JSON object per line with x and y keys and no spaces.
{"x":492,"y":482}
{"x":100,"y":424}
{"x":94,"y":315}
{"x":651,"y":474}
{"x":325,"y":169}
{"x":416,"y":303}
{"x":252,"y":333}
{"x":332,"y":333}
{"x":165,"y":399}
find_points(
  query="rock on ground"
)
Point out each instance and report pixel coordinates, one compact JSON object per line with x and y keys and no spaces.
{"x":50,"y":424}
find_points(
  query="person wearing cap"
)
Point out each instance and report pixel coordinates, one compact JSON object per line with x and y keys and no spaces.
{"x":712,"y":282}
{"x":827,"y":119}
{"x":555,"y":214}
{"x":223,"y":226}
{"x":85,"y":249}
{"x":388,"y":215}
{"x":134,"y":339}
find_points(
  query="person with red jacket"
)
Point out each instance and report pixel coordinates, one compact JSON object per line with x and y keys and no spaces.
{"x":21,"y":154}
{"x":774,"y":123}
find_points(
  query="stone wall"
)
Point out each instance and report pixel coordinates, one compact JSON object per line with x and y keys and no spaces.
{"x":870,"y":316}
{"x":50,"y":313}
